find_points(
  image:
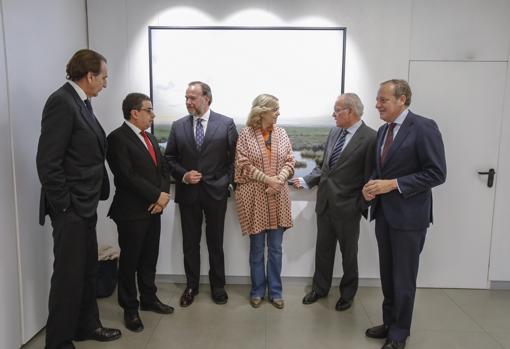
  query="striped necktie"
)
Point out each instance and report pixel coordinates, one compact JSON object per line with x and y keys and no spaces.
{"x":338,"y":148}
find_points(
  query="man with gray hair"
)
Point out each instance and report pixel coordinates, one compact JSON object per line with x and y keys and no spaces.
{"x":348,"y":162}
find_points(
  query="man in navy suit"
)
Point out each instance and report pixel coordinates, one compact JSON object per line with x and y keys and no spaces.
{"x":70,"y":164}
{"x":142,"y":183}
{"x":410,"y":161}
{"x":200,"y":152}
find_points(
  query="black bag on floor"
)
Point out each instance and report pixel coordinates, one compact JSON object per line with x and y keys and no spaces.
{"x":106,"y":278}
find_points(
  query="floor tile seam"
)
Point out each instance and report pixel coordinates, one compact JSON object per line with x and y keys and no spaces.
{"x":496,"y":339}
{"x":501,"y":345}
{"x":153,"y":330}
{"x":360,"y":300}
{"x":468,"y":315}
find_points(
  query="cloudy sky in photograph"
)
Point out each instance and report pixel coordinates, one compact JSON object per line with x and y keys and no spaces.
{"x":303,"y":68}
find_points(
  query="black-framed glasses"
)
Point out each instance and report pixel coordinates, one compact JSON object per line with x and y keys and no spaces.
{"x":148,"y":110}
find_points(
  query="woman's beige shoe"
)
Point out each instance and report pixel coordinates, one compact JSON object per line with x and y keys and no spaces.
{"x":277,"y":303}
{"x":255,"y":302}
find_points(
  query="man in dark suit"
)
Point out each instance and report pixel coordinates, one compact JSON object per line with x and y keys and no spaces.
{"x":200,"y":152}
{"x":348,"y":163}
{"x":70,"y":163}
{"x":142,"y":184}
{"x":410,"y":161}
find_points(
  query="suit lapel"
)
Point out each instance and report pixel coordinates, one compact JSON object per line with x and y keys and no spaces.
{"x":137,"y":142}
{"x":212,"y":126}
{"x":189,"y":135}
{"x":380,"y":138}
{"x":90,"y":120}
{"x":353,"y":144}
{"x":334,"y":138}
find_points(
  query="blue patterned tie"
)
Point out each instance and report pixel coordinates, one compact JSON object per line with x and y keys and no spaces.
{"x":199,"y":133}
{"x":338,"y":148}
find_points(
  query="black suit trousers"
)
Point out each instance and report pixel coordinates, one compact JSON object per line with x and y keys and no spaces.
{"x":399,"y":258}
{"x":73,"y":309}
{"x":332,"y":229}
{"x":191,"y":223}
{"x":139,"y":244}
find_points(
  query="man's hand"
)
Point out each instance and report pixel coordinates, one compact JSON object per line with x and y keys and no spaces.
{"x":296,"y":183}
{"x":159,"y":205}
{"x":192,"y":177}
{"x":377,"y":187}
{"x":155,"y":208}
{"x":163,"y":199}
{"x":366,"y":194}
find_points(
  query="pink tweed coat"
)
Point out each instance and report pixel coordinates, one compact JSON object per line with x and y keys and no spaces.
{"x":257,"y":210}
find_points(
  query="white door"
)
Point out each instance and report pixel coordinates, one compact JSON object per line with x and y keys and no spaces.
{"x":466,"y":100}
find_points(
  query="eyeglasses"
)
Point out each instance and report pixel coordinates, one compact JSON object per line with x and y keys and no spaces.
{"x":338,"y":111}
{"x":148,"y":110}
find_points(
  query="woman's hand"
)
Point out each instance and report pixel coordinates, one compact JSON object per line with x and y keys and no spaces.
{"x":274,"y":185}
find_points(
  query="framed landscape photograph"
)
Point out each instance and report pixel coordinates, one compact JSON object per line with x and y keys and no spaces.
{"x":303,"y":67}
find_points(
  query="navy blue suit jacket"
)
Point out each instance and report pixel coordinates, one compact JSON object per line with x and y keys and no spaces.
{"x":417,"y":160}
{"x":215,"y":159}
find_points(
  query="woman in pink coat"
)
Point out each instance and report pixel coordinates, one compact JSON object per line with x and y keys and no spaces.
{"x":264,"y":162}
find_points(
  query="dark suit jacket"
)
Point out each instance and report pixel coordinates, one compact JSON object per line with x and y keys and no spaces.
{"x":417,"y":160}
{"x":340,"y":187}
{"x":138,"y":182}
{"x":70,"y":156}
{"x":215,"y":160}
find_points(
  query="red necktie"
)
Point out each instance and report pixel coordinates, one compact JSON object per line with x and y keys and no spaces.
{"x":150,"y":148}
{"x":388,"y":141}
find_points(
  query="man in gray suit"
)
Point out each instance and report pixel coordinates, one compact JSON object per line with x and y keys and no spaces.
{"x":200,"y":152}
{"x":348,"y":158}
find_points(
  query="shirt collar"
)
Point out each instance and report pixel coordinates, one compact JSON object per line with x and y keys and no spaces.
{"x":352,"y":130}
{"x":133,"y":127}
{"x":400,"y":119}
{"x":204,"y":117}
{"x":78,"y":89}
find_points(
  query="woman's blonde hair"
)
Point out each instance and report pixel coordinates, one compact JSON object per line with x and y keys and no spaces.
{"x":261,"y":104}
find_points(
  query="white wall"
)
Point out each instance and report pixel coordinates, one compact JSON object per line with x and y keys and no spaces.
{"x":382,"y":39}
{"x":10,"y":324}
{"x":40,"y":37}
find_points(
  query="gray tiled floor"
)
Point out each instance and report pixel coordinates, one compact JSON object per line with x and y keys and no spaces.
{"x":467,"y":319}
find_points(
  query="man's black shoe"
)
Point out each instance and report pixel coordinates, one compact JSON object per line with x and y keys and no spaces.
{"x":380,"y":331}
{"x":157,"y":307}
{"x":311,"y":297}
{"x":342,"y":304}
{"x":219,"y":296}
{"x":133,"y":322}
{"x":101,"y":334}
{"x":391,"y":344}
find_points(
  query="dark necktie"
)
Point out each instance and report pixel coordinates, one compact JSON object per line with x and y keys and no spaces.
{"x":89,"y":108}
{"x":338,"y":148}
{"x":388,"y":142}
{"x":150,"y":148}
{"x":199,"y":133}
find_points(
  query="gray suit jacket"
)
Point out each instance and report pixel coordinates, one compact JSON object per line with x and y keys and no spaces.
{"x":340,"y":186}
{"x":215,"y":159}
